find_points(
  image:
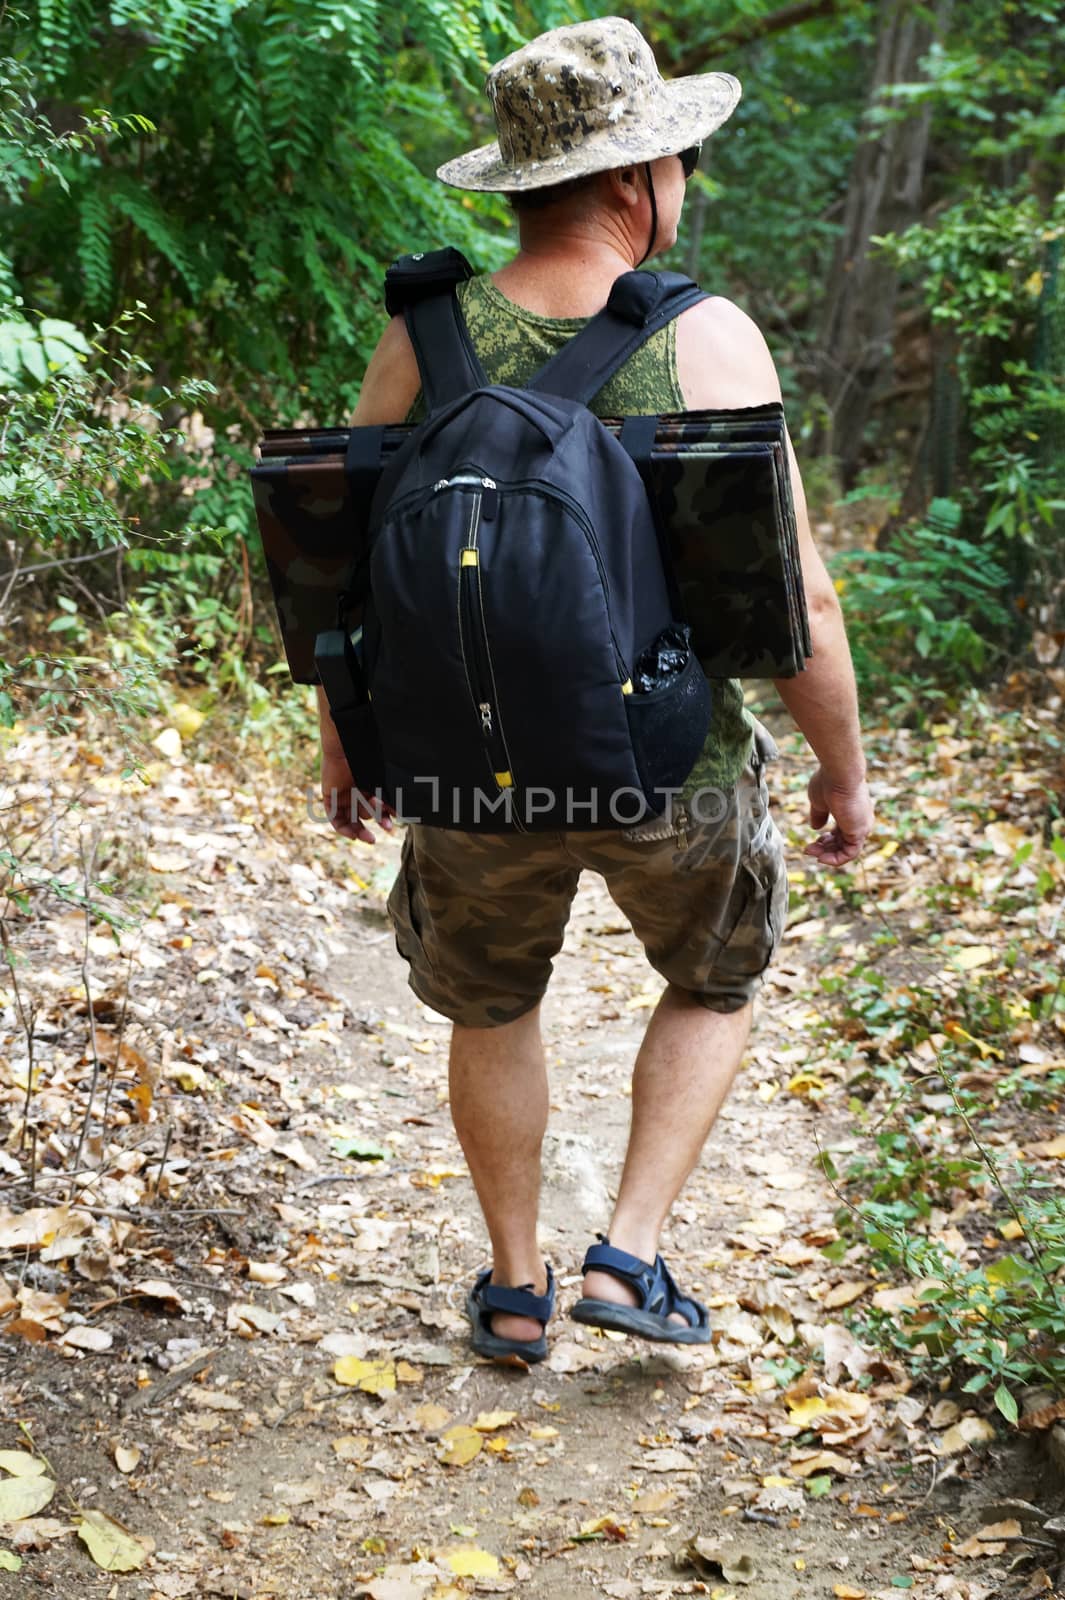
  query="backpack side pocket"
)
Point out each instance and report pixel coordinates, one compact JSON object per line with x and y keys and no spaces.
{"x":668,"y":727}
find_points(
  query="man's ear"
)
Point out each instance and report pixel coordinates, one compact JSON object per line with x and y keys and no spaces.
{"x":624,"y":184}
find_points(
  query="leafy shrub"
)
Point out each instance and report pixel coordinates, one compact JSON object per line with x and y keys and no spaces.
{"x":933,"y":603}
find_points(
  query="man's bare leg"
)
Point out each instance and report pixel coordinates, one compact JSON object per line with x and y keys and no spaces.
{"x":499,"y":1106}
{"x":685,"y":1067}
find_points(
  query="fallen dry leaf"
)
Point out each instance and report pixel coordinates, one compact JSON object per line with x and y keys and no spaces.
{"x":24,"y":1497}
{"x":1049,"y":1147}
{"x":709,"y":1558}
{"x":161,"y":1292}
{"x":1043,"y":1416}
{"x":823,"y":1461}
{"x":28,"y":1230}
{"x":248,"y":1320}
{"x":823,"y":1411}
{"x":970,"y":1430}
{"x":20,"y":1464}
{"x":489,"y":1421}
{"x":459,"y":1445}
{"x":430,"y":1416}
{"x":353,"y":1446}
{"x":374,"y":1377}
{"x":467,"y":1561}
{"x":84,"y":1337}
{"x":110,"y":1545}
{"x":844,"y":1294}
{"x":266,"y":1272}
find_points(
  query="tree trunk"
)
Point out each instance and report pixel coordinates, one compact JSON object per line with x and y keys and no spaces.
{"x":883,"y":196}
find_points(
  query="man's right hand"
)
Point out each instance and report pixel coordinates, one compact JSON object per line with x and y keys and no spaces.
{"x":851,"y":807}
{"x":339,"y":789}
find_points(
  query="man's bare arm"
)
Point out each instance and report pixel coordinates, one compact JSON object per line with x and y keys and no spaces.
{"x":389,"y":387}
{"x":724,"y":361}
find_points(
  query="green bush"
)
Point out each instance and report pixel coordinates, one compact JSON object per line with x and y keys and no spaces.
{"x":934,"y":604}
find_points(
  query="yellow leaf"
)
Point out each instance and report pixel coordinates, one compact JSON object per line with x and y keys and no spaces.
{"x":186,"y":719}
{"x":276,"y":1519}
{"x":973,"y":955}
{"x":374,"y":1377}
{"x":110,"y":1546}
{"x":498,"y":1444}
{"x":543,"y":1433}
{"x":833,"y":1403}
{"x":489,"y":1421}
{"x":806,"y":1083}
{"x":844,"y":1591}
{"x":1011,"y":1229}
{"x":800,"y":1564}
{"x":459,"y":1445}
{"x":774,"y":1480}
{"x":885,"y":851}
{"x":20,"y":1464}
{"x":469,"y":1562}
{"x":956,"y":1031}
{"x":405,"y":1373}
{"x":24,"y":1497}
{"x":599,"y":1524}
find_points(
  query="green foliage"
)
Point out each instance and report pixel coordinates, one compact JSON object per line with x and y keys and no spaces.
{"x":77,"y":447}
{"x":1002,"y":1322}
{"x":979,"y":265}
{"x":932,"y":603}
{"x":292,"y":161}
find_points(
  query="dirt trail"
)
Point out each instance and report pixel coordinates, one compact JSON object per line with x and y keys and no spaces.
{"x":266,"y":984}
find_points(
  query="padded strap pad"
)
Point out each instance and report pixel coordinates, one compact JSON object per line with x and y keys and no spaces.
{"x":413,"y":278}
{"x":639,"y":304}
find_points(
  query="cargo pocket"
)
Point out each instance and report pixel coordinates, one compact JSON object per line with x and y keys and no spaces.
{"x":668,"y":727}
{"x":758,"y":926}
{"x":406,"y":908}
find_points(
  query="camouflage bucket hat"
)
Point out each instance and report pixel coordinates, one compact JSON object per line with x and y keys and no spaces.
{"x":585,"y":98}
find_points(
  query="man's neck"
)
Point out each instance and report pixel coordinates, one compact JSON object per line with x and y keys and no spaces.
{"x":566,"y":274}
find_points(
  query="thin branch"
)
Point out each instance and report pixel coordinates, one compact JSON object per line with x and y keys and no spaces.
{"x":753,"y":29}
{"x":63,"y":561}
{"x":87,"y":864}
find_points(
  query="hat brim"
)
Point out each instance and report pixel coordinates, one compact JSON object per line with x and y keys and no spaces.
{"x":686,"y":111}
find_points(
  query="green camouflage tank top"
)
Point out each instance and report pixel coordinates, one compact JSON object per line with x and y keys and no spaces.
{"x":512,"y":344}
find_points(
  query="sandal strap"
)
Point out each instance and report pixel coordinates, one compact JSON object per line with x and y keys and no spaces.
{"x":604,"y":1258}
{"x":518,"y":1302}
{"x":693,"y":1311}
{"x":653,"y":1282}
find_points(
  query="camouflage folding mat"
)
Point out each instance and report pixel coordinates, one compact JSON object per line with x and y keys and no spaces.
{"x":722,"y":490}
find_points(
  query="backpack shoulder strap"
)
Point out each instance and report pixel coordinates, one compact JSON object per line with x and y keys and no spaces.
{"x":423,"y":287}
{"x":640,"y":304}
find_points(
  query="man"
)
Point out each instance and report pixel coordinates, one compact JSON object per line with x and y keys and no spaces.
{"x":594,"y":150}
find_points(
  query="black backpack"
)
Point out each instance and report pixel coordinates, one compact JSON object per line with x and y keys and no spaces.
{"x":516,"y":583}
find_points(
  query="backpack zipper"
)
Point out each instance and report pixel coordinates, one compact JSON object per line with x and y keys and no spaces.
{"x":473,"y":631}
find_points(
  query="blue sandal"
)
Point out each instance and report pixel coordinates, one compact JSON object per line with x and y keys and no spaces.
{"x":486,"y":1298}
{"x":659,"y":1297}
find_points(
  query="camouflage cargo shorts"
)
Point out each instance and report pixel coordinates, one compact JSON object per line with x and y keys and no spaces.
{"x":480,"y":917}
